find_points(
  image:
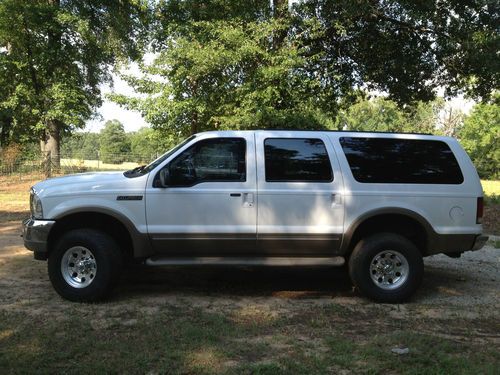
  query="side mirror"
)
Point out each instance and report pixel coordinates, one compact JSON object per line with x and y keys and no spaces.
{"x":165,"y":177}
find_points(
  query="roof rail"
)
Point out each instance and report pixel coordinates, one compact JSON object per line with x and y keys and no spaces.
{"x":342,"y":131}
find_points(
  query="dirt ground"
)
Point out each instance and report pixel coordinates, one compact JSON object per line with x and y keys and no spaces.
{"x":260,"y":320}
{"x":453,"y":288}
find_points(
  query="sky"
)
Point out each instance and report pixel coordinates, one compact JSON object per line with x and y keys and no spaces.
{"x":131,"y":120}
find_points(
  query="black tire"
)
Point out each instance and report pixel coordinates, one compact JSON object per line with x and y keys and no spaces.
{"x":106,"y":257}
{"x":367,"y":272}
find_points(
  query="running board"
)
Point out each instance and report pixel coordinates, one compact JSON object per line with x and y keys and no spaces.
{"x":245,"y":261}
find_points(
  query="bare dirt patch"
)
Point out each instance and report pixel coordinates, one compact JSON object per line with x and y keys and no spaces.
{"x":257,"y":318}
{"x":245,"y":320}
{"x":465,"y":288}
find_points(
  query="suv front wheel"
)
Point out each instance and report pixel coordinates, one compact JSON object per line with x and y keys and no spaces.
{"x":84,"y":265}
{"x":386,"y":267}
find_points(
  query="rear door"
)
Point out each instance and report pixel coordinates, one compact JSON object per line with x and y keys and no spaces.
{"x":301,"y":210}
{"x":209,"y":207}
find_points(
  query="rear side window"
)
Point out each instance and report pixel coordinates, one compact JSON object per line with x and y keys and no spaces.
{"x":297,"y":160}
{"x":401,"y":161}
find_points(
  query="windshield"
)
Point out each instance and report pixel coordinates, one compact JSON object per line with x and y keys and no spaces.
{"x":143,"y":169}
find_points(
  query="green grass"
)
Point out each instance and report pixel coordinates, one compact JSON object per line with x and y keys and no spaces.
{"x":319,"y":339}
{"x":491,"y":191}
{"x":190,"y":340}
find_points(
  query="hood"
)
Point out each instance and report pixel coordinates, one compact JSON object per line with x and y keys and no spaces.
{"x":88,"y":183}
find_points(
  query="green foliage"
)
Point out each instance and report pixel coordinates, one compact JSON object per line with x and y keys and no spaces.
{"x":141,"y":146}
{"x":10,"y":129}
{"x":225,"y":75}
{"x":146,"y":145}
{"x":55,"y":54}
{"x":380,"y":114}
{"x":80,"y":145}
{"x":372,"y":115}
{"x":480,"y":137}
{"x":241,"y":65}
{"x":114,"y":144}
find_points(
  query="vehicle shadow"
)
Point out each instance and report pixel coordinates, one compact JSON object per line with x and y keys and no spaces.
{"x":441,"y":283}
{"x":303,"y":282}
{"x":291,"y":283}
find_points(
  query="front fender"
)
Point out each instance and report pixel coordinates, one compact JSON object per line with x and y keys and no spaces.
{"x":130,"y":211}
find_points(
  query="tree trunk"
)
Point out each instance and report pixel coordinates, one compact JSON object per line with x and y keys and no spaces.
{"x":50,"y":146}
{"x":50,"y":142}
{"x":194,"y":124}
{"x":5,"y":128}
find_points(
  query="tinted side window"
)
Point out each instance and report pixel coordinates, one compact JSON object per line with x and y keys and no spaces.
{"x":296,"y":160}
{"x":210,"y":160}
{"x":401,"y":161}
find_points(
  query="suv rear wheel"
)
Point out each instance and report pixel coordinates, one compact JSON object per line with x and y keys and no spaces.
{"x":84,"y":265}
{"x":386,"y":267}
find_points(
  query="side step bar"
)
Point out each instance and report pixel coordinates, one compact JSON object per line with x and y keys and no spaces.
{"x":245,"y":261}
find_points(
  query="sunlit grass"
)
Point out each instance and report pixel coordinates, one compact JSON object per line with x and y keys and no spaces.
{"x":190,"y":341}
{"x":491,"y":190}
{"x":14,"y":205}
{"x":14,"y":197}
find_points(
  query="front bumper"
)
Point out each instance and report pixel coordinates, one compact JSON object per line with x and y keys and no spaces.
{"x":35,"y":235}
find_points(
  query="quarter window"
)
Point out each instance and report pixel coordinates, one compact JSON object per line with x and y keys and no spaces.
{"x":210,"y":160}
{"x":401,"y":161}
{"x":297,"y":160}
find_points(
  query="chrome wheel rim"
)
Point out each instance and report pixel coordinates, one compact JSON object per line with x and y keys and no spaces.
{"x":78,"y":267}
{"x":389,"y":269}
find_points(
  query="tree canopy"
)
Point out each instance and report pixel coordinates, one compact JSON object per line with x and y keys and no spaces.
{"x":55,"y":54}
{"x":113,"y":143}
{"x":480,"y":137}
{"x":81,"y":145}
{"x":381,"y":114}
{"x":141,"y":146}
{"x":223,"y":64}
{"x":146,"y":144}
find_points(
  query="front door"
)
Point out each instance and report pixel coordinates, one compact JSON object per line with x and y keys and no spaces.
{"x":209,"y":207}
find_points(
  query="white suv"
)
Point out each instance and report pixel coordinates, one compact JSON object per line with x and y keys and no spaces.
{"x":380,"y":201}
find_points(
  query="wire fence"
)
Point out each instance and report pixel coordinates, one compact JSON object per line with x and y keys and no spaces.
{"x":47,"y":165}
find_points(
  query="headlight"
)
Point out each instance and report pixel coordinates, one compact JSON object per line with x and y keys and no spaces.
{"x":35,"y":206}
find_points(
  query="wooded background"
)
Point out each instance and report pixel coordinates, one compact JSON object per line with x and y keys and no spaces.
{"x":221,"y":64}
